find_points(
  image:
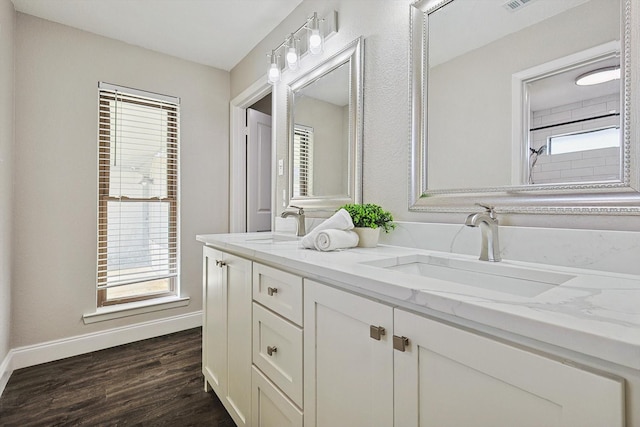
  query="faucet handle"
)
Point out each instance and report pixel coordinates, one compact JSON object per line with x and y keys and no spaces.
{"x":489,"y":209}
{"x":300,"y":210}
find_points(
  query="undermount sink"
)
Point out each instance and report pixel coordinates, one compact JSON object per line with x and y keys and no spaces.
{"x":273,"y":238}
{"x":494,"y":276}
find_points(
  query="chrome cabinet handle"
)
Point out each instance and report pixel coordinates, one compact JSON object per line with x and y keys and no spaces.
{"x":220,"y":263}
{"x":271,"y":291}
{"x":271,"y":350}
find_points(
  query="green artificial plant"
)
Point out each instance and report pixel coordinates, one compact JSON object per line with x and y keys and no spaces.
{"x":370,"y":215}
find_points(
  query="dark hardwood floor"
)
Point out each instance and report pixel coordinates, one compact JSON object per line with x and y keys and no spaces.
{"x":155,"y":382}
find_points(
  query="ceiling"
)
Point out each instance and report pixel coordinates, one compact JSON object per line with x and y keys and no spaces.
{"x":218,"y":33}
{"x":487,"y":20}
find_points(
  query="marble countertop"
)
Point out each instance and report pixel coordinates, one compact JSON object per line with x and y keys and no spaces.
{"x":593,"y":313}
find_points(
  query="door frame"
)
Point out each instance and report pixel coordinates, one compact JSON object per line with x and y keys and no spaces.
{"x":238,"y":153}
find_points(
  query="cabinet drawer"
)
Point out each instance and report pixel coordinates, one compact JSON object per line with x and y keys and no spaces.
{"x":279,"y":291}
{"x":271,"y":408}
{"x":277,"y":351}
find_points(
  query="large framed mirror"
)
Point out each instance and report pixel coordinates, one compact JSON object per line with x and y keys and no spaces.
{"x":324,"y":114}
{"x":501,"y":113}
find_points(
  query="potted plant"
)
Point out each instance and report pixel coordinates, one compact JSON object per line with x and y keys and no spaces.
{"x":368,"y":219}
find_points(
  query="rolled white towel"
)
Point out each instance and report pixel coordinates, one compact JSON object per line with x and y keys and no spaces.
{"x":340,"y":220}
{"x":330,"y":240}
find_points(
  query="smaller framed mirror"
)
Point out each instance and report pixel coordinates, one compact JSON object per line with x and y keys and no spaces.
{"x":324,"y":117}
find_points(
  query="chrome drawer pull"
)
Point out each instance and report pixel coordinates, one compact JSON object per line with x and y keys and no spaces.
{"x":271,"y":350}
{"x":271,"y":291}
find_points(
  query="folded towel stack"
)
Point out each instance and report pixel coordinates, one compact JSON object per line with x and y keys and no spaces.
{"x":332,"y":234}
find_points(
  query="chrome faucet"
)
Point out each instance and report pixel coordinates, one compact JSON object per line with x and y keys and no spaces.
{"x":488,"y":223}
{"x":299,"y":214}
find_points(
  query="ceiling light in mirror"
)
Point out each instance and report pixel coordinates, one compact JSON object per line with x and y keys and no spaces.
{"x":598,"y":76}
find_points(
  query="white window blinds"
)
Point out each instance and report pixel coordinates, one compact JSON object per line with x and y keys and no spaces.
{"x":302,"y":160}
{"x":138,"y":192}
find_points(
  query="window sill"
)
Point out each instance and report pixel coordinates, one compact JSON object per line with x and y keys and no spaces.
{"x":134,"y":308}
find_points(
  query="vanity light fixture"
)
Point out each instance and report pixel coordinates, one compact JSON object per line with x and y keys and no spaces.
{"x":601,"y":75}
{"x":293,"y":47}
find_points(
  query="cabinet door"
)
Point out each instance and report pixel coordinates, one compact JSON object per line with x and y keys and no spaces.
{"x":227,"y":331}
{"x":214,"y":329}
{"x":348,"y":375}
{"x":450,"y":377}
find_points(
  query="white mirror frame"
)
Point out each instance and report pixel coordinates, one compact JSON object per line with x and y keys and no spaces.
{"x":351,"y":54}
{"x":620,"y":198}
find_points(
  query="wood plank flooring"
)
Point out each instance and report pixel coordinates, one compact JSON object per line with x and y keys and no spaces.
{"x":155,"y":382}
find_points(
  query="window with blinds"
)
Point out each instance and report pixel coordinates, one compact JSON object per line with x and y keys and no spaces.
{"x":302,"y":160}
{"x":137,"y":195}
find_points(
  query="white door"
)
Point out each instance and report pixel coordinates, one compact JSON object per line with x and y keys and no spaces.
{"x":448,"y":377}
{"x":348,"y":374}
{"x":258,"y":171}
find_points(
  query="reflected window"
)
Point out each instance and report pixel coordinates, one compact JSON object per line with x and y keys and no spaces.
{"x":302,"y":160}
{"x":583,"y":141}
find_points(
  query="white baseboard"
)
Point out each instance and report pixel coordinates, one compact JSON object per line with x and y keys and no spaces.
{"x":23,"y":357}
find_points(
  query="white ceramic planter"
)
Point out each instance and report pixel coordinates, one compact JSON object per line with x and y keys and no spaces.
{"x":368,"y":237}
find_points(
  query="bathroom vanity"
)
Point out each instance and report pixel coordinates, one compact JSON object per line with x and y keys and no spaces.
{"x":396,"y":336}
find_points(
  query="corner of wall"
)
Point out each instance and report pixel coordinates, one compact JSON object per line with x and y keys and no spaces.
{"x":7,"y":142}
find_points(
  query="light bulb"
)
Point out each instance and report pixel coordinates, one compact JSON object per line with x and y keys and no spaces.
{"x":315,"y":42}
{"x":292,"y":58}
{"x":274,"y":73}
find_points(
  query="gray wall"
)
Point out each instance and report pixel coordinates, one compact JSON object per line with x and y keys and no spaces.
{"x":384,"y":25}
{"x":57,"y":72}
{"x":330,"y":152}
{"x":7,"y":20}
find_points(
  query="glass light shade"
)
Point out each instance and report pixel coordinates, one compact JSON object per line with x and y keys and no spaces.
{"x":601,"y":75}
{"x":292,"y":58}
{"x":315,"y":42}
{"x":274,"y":73}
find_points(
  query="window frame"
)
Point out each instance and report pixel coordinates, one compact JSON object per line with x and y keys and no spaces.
{"x":172,"y":106}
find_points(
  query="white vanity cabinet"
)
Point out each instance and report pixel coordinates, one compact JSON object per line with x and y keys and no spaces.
{"x":226,"y":344}
{"x":451,"y":377}
{"x":424,"y":373}
{"x":348,"y":359}
{"x":282,"y":350}
{"x":277,"y":348}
